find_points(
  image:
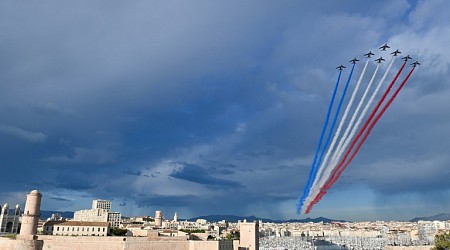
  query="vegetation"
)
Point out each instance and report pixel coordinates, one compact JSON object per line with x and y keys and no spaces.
{"x":442,"y":242}
{"x":232,"y":236}
{"x":118,"y":231}
{"x":195,"y":231}
{"x":11,"y":236}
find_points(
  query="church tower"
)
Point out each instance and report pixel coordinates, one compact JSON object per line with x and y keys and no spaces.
{"x":16,"y":217}
{"x":4,"y":217}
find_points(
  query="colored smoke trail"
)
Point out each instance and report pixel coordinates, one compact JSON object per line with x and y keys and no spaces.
{"x":306,"y":190}
{"x":372,"y":125}
{"x":327,"y":142}
{"x":341,"y":148}
{"x":367,"y":133}
{"x":334,"y":176}
{"x":338,"y":131}
{"x":352,"y":127}
{"x":330,"y":133}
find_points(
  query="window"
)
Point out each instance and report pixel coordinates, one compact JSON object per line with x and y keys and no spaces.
{"x":57,"y":229}
{"x":87,"y":229}
{"x":103,"y":229}
{"x":98,"y":229}
{"x":62,"y":228}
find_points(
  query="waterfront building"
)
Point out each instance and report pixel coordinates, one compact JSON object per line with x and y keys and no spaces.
{"x":76,"y":228}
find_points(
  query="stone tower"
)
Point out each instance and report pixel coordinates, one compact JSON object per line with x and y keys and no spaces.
{"x":31,"y":215}
{"x":249,"y":235}
{"x":158,"y":218}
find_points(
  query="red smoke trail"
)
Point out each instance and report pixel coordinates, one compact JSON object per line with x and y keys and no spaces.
{"x":340,"y":168}
{"x":373,"y":124}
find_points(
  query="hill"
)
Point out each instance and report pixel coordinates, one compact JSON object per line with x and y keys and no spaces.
{"x":441,"y":217}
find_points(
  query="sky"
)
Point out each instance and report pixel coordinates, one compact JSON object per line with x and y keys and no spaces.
{"x":215,"y":107}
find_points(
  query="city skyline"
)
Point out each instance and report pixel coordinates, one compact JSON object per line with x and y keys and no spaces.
{"x":215,"y":107}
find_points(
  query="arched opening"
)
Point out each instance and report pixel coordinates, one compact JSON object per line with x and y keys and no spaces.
{"x":9,"y":227}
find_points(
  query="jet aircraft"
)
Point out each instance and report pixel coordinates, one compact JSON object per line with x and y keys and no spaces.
{"x":369,"y":54}
{"x":354,"y":60}
{"x":406,"y":58}
{"x":396,"y":52}
{"x":414,"y":64}
{"x":340,"y":67}
{"x":379,"y":60}
{"x":384,"y":47}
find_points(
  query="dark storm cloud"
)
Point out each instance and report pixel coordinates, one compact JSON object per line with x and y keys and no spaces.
{"x":60,"y":199}
{"x":234,"y":93}
{"x":201,"y":175}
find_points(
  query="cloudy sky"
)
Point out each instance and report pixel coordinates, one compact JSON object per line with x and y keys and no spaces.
{"x":215,"y":107}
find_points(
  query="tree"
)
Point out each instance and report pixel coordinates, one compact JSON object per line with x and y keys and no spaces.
{"x":118,"y":231}
{"x":442,"y":242}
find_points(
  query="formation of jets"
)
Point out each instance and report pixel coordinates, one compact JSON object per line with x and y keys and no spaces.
{"x":381,"y":59}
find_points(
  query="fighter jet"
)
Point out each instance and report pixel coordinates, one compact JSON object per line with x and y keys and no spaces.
{"x":368,"y":55}
{"x":379,"y":60}
{"x":340,"y":67}
{"x":406,"y":58}
{"x":354,"y":60}
{"x":414,"y":64}
{"x":384,"y":47}
{"x":396,"y":52}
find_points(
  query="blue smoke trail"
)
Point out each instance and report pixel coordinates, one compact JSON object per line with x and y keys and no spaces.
{"x":311,"y":173}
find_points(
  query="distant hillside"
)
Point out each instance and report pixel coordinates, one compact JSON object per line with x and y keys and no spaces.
{"x":234,"y":218}
{"x":441,"y":217}
{"x":47,"y":214}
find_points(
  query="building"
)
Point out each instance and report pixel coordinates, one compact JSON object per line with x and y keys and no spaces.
{"x":100,"y":212}
{"x":102,"y":204}
{"x":249,"y":232}
{"x":100,"y":215}
{"x":76,"y":228}
{"x":9,"y":223}
{"x":158,"y":218}
{"x":114,"y":219}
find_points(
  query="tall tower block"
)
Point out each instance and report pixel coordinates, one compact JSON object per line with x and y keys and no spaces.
{"x":31,"y":215}
{"x":249,"y":235}
{"x":158,"y":218}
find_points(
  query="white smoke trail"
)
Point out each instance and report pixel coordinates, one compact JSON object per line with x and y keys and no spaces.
{"x":363,"y":113}
{"x":341,"y":124}
{"x":355,"y":115}
{"x":334,"y":159}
